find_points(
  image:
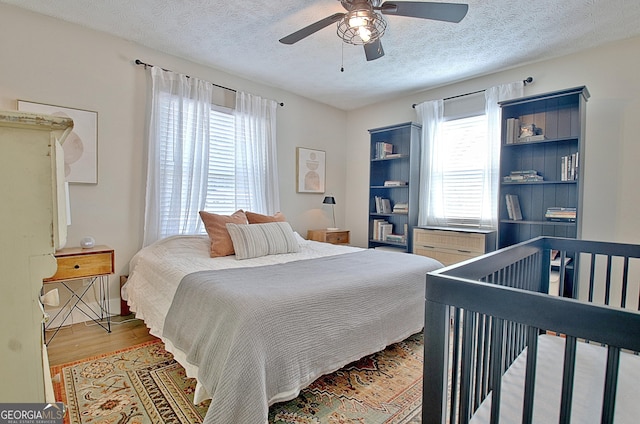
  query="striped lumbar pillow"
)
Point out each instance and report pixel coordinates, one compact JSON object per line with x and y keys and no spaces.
{"x":254,"y":240}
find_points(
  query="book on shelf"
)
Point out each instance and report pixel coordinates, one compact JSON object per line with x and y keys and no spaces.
{"x":394,"y":183}
{"x":393,"y":155}
{"x":528,"y":175}
{"x":375,"y":231}
{"x":507,"y":201}
{"x":383,"y":205}
{"x":524,"y":172}
{"x":569,"y":167}
{"x":530,"y":138}
{"x":385,"y":230}
{"x":401,"y":207}
{"x":513,"y":130}
{"x":383,"y":149}
{"x":556,"y":213}
{"x":386,"y":205}
{"x":513,"y":207}
{"x":395,"y":238}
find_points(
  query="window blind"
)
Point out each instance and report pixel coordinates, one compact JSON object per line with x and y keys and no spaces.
{"x":182,"y":163}
{"x":464,"y":151}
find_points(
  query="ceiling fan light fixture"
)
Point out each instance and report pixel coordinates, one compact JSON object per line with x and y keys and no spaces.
{"x":361,"y":26}
{"x":364,"y":33}
{"x":357,"y":19}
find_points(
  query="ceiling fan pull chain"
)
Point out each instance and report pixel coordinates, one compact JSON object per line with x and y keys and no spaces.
{"x":342,"y":64}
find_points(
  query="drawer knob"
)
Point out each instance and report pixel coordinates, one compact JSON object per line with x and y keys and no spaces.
{"x":76,"y":266}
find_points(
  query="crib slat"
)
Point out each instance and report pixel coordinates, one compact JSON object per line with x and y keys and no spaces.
{"x":496,"y":368}
{"x":455,"y":393}
{"x":465,"y":377}
{"x":479,"y":394}
{"x":568,"y":373}
{"x":607,"y":292}
{"x":592,"y":275}
{"x":435,"y":354}
{"x":530,"y":375}
{"x":562,"y":283}
{"x":625,"y":281}
{"x":485,"y":357}
{"x":610,"y":385}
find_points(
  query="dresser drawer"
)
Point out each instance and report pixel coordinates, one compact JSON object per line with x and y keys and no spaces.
{"x":467,"y":242}
{"x":329,"y":236}
{"x":83,"y":265}
{"x":450,"y":245}
{"x":337,"y":237}
{"x":447,"y":257}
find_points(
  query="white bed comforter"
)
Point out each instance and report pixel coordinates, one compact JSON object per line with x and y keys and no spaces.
{"x":156,"y":272}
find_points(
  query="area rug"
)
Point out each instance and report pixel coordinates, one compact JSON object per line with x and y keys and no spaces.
{"x":145,"y":385}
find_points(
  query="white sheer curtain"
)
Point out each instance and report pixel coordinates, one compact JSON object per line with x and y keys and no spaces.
{"x":177,"y":154}
{"x":182,"y":153}
{"x":431,"y":116}
{"x":493,"y":95}
{"x":256,"y":151}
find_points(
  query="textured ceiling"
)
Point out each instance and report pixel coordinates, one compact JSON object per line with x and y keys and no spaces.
{"x":241,"y":37}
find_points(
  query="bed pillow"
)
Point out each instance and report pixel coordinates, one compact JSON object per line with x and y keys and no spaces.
{"x":255,"y":240}
{"x":257,"y":218}
{"x":221,"y":244}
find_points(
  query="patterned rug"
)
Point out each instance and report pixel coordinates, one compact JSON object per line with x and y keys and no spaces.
{"x":144,"y":385}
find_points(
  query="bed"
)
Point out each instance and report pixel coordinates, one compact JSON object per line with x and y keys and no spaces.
{"x":256,"y":331}
{"x":500,"y":348}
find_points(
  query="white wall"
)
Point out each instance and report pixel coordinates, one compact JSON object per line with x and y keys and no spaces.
{"x":49,"y":61}
{"x":612,"y":151}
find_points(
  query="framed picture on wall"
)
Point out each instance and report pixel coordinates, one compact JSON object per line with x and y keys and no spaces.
{"x":310,"y":170}
{"x":81,"y":145}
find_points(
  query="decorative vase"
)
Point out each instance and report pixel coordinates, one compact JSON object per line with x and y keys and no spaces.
{"x":87,"y":242}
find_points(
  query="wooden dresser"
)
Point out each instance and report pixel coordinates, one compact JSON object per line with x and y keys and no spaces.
{"x":33,"y":225}
{"x":450,"y":245}
{"x":329,"y":236}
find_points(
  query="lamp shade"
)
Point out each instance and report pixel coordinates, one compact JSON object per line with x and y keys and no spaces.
{"x":330,"y":200}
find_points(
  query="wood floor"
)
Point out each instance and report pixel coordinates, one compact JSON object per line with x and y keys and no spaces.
{"x":86,"y":339}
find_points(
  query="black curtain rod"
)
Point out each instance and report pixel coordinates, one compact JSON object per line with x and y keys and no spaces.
{"x":148,"y":65}
{"x":526,"y":81}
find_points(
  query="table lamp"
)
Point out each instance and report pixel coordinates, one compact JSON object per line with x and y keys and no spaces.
{"x":330,"y":200}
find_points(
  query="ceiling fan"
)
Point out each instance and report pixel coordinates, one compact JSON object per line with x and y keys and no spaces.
{"x":363,"y":25}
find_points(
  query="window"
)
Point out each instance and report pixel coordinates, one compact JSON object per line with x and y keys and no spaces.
{"x":206,"y":157}
{"x":459,"y":169}
{"x":463,"y":149}
{"x":217,"y":189}
{"x":225,"y":193}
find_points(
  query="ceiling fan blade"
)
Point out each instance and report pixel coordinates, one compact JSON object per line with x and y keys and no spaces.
{"x":308,"y":30}
{"x":448,"y":12}
{"x":373,"y":50}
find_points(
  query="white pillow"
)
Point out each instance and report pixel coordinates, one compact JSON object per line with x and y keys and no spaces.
{"x":255,"y":240}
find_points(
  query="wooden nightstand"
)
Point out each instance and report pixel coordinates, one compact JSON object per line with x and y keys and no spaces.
{"x":94,"y":264}
{"x":329,"y":236}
